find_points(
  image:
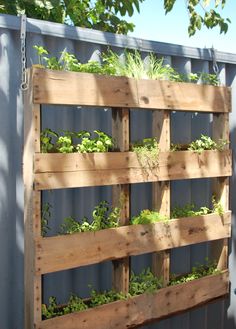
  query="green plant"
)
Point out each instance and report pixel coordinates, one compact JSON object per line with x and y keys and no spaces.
{"x":53,"y":142}
{"x":52,"y":309}
{"x":75,"y":304}
{"x":98,"y":298}
{"x":217,"y":206}
{"x":46,"y":138}
{"x":146,"y":281}
{"x":197,"y":272}
{"x":103,"y":218}
{"x":45,"y":217}
{"x":148,"y":217}
{"x":206,"y":143}
{"x":190,"y":210}
{"x":147,"y":152}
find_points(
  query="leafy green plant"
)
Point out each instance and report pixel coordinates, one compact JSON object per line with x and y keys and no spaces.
{"x":47,"y":137}
{"x":98,"y":298}
{"x":103,"y":218}
{"x":190,"y":210}
{"x":53,"y":142}
{"x":147,"y":152}
{"x":45,"y":218}
{"x":75,"y":304}
{"x":51,"y":310}
{"x":144,"y":282}
{"x":206,"y":143}
{"x":147,"y":216}
{"x":197,"y":272}
{"x":130,"y":65}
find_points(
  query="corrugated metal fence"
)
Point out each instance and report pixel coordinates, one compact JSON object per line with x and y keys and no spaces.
{"x":87,"y":44}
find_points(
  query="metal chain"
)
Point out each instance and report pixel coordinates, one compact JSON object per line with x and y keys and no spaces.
{"x":215,"y":65}
{"x":24,"y":83}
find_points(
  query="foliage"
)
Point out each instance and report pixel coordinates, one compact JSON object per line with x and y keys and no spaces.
{"x":147,"y":216}
{"x":130,"y":65}
{"x":103,"y":218}
{"x":47,"y":137}
{"x":45,"y":217}
{"x":74,"y":304}
{"x":146,"y":281}
{"x":206,"y":143}
{"x":147,"y":152}
{"x":98,"y":298}
{"x":197,"y":272}
{"x":52,"y":142}
{"x":210,"y":18}
{"x":190,"y":210}
{"x":105,"y":15}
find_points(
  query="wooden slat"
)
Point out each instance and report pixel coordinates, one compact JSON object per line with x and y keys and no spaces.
{"x":32,"y":205}
{"x":161,"y":191}
{"x":220,"y":188}
{"x":77,"y":170}
{"x":145,"y":308}
{"x":70,"y":251}
{"x":121,"y":197}
{"x":61,"y":87}
{"x":70,"y":88}
{"x":183,"y":96}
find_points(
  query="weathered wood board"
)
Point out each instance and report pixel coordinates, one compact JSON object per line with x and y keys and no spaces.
{"x":94,"y":169}
{"x":71,"y":88}
{"x":70,"y":251}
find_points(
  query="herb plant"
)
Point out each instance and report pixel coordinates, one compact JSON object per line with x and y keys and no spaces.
{"x":148,"y":217}
{"x":206,"y":143}
{"x":145,"y":282}
{"x":201,"y":144}
{"x":66,"y":141}
{"x":103,"y":218}
{"x":130,"y":65}
{"x":190,"y":210}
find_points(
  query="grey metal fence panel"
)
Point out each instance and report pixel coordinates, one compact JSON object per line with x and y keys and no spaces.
{"x":79,"y":202}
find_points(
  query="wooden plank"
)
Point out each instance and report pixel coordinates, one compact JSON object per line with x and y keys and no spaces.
{"x":70,"y":251}
{"x":182,"y":96}
{"x":145,"y":308}
{"x":121,"y":197}
{"x":220,"y":188}
{"x":71,"y":88}
{"x":32,"y":205}
{"x":161,"y":191}
{"x":112,"y":169}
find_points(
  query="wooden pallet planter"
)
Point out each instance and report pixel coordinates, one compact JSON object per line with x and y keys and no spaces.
{"x":145,"y":308}
{"x":80,"y":249}
{"x":71,"y":88}
{"x":53,"y":171}
{"x":77,"y":170}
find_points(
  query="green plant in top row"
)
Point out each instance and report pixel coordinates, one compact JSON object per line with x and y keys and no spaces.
{"x":130,"y":65}
{"x":201,"y":144}
{"x":144,"y":282}
{"x":66,"y":143}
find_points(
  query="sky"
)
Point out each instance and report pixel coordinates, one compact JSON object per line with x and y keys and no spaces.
{"x":153,"y":24}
